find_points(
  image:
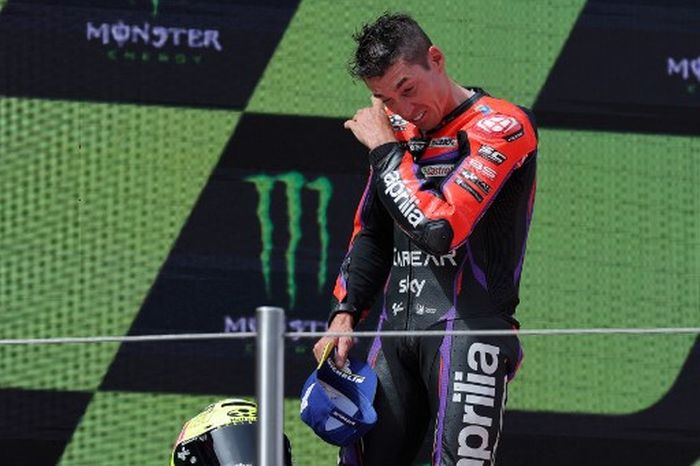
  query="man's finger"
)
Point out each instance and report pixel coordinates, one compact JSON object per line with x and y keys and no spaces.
{"x":320,"y":347}
{"x":377,"y":102}
{"x":341,"y":356}
{"x":349,"y":124}
{"x":318,"y":351}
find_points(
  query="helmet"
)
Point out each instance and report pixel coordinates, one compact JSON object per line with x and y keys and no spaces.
{"x":224,"y":434}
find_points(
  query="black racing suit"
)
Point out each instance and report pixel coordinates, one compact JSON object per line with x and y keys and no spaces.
{"x":442,"y":224}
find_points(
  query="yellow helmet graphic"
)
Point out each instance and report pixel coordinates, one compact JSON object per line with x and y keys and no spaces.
{"x":224,"y":434}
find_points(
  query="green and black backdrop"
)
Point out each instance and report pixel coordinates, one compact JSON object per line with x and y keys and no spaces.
{"x":168,"y":165}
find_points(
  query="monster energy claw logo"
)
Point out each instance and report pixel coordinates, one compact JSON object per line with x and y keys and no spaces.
{"x":294,"y":183}
{"x":155,"y":4}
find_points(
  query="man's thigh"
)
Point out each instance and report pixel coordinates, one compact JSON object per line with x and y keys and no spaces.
{"x":467,"y":386}
{"x":402,"y":413}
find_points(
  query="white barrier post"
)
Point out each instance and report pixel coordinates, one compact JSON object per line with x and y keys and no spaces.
{"x":269,"y":361}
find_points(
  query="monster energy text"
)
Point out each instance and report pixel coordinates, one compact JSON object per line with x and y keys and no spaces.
{"x":148,"y":42}
{"x":158,"y":37}
{"x":294,"y":183}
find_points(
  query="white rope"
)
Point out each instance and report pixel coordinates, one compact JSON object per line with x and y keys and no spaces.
{"x":564,"y":331}
{"x":127,"y":338}
{"x":363,"y":334}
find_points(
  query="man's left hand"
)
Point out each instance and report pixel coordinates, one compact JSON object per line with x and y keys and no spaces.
{"x":371,"y":125}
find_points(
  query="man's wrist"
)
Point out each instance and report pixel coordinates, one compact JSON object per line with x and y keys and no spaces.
{"x":380,"y":141}
{"x":344,"y":308}
{"x":378,"y":153}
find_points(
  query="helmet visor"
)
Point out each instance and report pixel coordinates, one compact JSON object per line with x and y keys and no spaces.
{"x":230,"y":445}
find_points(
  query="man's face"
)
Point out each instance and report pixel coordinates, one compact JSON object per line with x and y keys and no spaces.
{"x":416,"y":93}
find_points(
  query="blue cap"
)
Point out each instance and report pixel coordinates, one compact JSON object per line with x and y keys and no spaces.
{"x":337,"y":403}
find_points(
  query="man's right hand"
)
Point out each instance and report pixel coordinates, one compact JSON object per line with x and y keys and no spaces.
{"x":342,"y":322}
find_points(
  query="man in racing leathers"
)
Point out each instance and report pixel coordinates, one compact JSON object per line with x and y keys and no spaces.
{"x":442,"y":225}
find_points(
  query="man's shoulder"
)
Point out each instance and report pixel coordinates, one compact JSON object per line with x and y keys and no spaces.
{"x":488,"y":106}
{"x":499,"y":119}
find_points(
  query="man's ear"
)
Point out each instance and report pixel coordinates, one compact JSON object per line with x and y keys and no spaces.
{"x":436,"y":57}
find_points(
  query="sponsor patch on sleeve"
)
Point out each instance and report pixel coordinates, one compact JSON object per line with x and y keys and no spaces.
{"x":488,"y":172}
{"x":491,"y":154}
{"x":513,"y":136}
{"x":470,"y":176}
{"x":465,"y":186}
{"x":498,"y":125}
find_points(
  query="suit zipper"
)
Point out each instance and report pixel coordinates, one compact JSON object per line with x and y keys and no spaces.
{"x":409,"y":295}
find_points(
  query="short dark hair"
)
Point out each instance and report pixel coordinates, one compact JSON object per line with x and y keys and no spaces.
{"x":380,"y":44}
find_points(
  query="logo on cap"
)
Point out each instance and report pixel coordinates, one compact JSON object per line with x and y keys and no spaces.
{"x":337,"y":402}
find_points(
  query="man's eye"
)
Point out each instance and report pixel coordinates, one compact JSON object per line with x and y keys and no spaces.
{"x":408,"y":90}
